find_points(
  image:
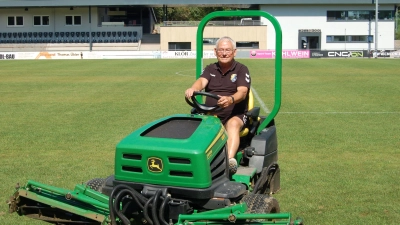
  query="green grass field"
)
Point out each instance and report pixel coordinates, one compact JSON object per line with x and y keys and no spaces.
{"x":338,"y":127}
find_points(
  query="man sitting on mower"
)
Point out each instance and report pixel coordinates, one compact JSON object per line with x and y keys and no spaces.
{"x":230,"y":80}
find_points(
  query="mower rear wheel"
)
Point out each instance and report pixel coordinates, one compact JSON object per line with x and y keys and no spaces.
{"x":96,"y":184}
{"x":259,"y":203}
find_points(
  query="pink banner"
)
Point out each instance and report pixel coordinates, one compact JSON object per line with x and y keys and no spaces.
{"x":286,"y":54}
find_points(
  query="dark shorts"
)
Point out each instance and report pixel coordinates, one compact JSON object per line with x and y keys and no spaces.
{"x":242,"y":117}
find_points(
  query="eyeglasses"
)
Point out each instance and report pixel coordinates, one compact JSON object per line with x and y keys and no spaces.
{"x":227,"y":51}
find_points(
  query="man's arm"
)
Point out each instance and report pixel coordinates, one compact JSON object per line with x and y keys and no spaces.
{"x":239,"y":96}
{"x":198,"y":85}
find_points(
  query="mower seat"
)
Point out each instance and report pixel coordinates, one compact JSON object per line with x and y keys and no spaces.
{"x":253,"y":116}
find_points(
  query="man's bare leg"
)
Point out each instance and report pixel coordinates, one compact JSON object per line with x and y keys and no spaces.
{"x":233,"y":127}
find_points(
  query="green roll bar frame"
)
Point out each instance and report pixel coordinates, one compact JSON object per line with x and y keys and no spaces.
{"x":278,"y":50}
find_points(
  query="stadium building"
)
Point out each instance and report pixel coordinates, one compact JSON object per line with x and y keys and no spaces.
{"x":130,"y":24}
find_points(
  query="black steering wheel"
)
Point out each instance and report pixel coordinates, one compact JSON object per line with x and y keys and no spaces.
{"x":202,"y":108}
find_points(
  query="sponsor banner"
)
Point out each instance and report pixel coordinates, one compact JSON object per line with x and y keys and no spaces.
{"x":7,"y":55}
{"x":339,"y":53}
{"x":186,"y":54}
{"x":385,"y":53}
{"x":125,"y":55}
{"x":41,"y":55}
{"x":318,"y":54}
{"x":395,"y":54}
{"x":286,"y":54}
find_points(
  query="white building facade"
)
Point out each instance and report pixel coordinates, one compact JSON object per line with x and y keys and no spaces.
{"x":333,"y":27}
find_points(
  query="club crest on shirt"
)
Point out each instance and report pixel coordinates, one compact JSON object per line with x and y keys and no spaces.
{"x":247,"y":78}
{"x":234,"y":77}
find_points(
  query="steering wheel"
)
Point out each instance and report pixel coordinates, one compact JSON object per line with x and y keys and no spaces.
{"x":202,"y":108}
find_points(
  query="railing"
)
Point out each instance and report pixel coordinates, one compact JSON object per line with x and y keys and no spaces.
{"x":214,"y":23}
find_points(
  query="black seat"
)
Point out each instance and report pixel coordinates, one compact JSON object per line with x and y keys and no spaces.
{"x":103,"y":34}
{"x":124,"y":33}
{"x":78,"y":34}
{"x":119,"y":33}
{"x":114,"y":33}
{"x":66,"y":34}
{"x":108,"y":34}
{"x":25,"y":34}
{"x":72,"y":34}
{"x":45,"y":34}
{"x":62,"y":34}
{"x":30,"y":36}
{"x":40,"y":34}
{"x":56,"y":34}
{"x":82,"y":34}
{"x":50,"y":34}
{"x":130,"y":33}
{"x":19,"y":34}
{"x":134,"y":33}
{"x":87,"y":34}
{"x":93,"y":34}
{"x":98,"y":34}
{"x":9,"y":35}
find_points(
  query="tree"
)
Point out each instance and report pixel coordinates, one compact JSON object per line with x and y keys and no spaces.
{"x":188,"y":13}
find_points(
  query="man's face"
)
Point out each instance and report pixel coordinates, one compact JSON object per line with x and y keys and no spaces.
{"x":225,"y":52}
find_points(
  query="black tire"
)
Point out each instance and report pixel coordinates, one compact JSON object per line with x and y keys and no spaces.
{"x":96,"y":184}
{"x":258,"y":203}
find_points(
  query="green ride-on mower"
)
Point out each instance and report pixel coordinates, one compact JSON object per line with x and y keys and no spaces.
{"x":174,"y":170}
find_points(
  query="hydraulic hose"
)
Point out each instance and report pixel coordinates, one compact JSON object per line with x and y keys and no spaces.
{"x":265,"y":177}
{"x":154,"y":208}
{"x":145,"y":210}
{"x":162,"y":208}
{"x":153,"y":214}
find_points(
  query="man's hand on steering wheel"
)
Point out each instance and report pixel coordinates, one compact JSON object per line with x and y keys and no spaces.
{"x":224,"y":101}
{"x":201,"y":108}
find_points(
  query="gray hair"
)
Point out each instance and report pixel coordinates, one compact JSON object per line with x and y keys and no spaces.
{"x":226,"y":38}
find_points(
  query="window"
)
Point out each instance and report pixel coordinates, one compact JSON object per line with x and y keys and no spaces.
{"x":336,"y":15}
{"x":384,"y":15}
{"x":358,"y":15}
{"x":41,"y":20}
{"x":353,"y":15}
{"x":358,"y":38}
{"x":210,"y":41}
{"x":15,"y":21}
{"x":179,"y":46}
{"x":73,"y":20}
{"x":250,"y":44}
{"x":348,"y":38}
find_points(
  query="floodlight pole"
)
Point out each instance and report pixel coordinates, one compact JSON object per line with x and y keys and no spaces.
{"x":376,"y":29}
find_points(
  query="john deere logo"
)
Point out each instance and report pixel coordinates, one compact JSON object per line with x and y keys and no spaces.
{"x":155,"y":165}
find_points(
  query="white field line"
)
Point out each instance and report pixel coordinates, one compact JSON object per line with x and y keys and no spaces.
{"x":184,"y":73}
{"x":262,"y":104}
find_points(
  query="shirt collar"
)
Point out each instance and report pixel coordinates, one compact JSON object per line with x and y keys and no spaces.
{"x":217,"y":67}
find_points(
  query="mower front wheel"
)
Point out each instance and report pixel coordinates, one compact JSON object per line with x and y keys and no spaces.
{"x":259,"y":203}
{"x":96,"y":184}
